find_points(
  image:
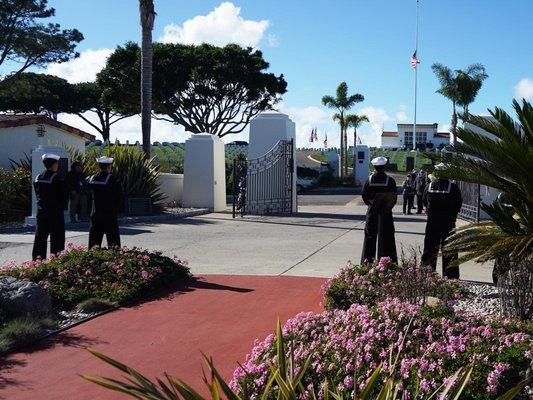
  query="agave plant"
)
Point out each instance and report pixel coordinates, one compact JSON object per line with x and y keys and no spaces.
{"x":137,"y":174}
{"x":502,"y":160}
{"x":284,"y":383}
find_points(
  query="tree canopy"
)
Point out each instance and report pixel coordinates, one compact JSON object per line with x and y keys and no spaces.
{"x":25,"y":41}
{"x":34,"y":93}
{"x":88,"y":97}
{"x":204,"y":88}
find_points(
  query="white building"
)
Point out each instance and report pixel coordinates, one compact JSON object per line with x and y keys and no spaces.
{"x":20,"y":134}
{"x":426,"y":134}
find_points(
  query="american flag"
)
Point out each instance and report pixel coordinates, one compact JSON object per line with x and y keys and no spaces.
{"x":312,"y":138}
{"x":414,"y":60}
{"x":326,"y":141}
{"x":316,"y":135}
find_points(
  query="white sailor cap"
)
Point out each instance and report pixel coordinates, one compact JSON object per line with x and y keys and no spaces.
{"x":379,"y":161}
{"x":50,"y":156}
{"x":440,"y":166}
{"x":104,"y":160}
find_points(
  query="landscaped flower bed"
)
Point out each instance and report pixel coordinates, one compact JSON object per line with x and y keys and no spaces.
{"x":116,"y":274}
{"x":347,"y":345}
{"x":371,"y":283}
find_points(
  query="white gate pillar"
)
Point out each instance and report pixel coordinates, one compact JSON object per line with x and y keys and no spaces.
{"x":204,"y":172}
{"x":266,"y":130}
{"x":334,"y":161}
{"x":361,"y":164}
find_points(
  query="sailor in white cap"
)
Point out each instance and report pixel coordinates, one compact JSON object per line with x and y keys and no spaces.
{"x":51,"y":196}
{"x":379,"y":194}
{"x":443,"y":202}
{"x":107,"y":196}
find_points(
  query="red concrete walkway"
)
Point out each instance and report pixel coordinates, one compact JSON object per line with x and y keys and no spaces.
{"x":218,"y":315}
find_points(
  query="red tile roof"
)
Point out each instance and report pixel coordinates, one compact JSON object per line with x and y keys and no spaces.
{"x":8,"y":121}
{"x":389,"y":134}
{"x":443,"y":134}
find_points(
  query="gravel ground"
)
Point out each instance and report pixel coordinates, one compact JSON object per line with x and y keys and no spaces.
{"x":482,"y":301}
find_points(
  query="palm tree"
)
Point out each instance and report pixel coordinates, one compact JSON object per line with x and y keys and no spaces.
{"x":460,"y":87}
{"x":354,"y":121}
{"x":502,"y":161}
{"x":342,"y":102}
{"x":147,"y":15}
{"x":468,"y":84}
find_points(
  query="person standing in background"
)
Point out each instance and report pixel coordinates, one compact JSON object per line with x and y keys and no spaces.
{"x":420,"y":187}
{"x":408,"y":194}
{"x":51,"y":196}
{"x":75,"y":180}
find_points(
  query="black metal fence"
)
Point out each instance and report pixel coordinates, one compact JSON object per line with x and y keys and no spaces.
{"x":471,"y":200}
{"x":265,"y":185}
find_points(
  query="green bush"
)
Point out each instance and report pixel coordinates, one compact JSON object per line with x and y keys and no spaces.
{"x":375,"y":282}
{"x":20,"y":332}
{"x":15,"y":194}
{"x":94,"y":305}
{"x":117,"y":274}
{"x":137,"y":174}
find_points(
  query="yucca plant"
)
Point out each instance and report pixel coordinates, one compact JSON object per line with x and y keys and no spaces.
{"x":284,"y":383}
{"x":503,"y":161}
{"x":137,"y":174}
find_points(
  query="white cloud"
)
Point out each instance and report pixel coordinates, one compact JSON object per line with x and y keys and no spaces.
{"x":445,"y":128}
{"x":524,"y":89}
{"x":272,"y":40}
{"x":377,"y":118}
{"x":306,"y":115}
{"x":311,"y":117}
{"x":221,"y":26}
{"x":401,"y":116}
{"x":81,"y":69}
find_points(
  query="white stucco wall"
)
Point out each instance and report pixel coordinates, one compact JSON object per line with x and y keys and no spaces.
{"x":16,"y":141}
{"x":389,"y":142}
{"x":171,"y":185}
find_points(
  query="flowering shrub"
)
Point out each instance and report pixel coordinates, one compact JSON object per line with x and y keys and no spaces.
{"x":345,"y":346}
{"x":116,"y":274}
{"x":371,"y":283}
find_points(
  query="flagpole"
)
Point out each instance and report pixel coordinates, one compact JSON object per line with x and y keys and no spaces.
{"x":416,"y":77}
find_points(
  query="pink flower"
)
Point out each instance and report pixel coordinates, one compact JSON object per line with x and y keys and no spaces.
{"x":145,"y":274}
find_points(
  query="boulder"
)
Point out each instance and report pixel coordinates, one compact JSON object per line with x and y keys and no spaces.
{"x":23,"y":298}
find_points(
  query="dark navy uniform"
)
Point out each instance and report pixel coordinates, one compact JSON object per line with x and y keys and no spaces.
{"x":51,"y":196}
{"x":379,"y":194}
{"x":106,"y":193}
{"x":443,"y":201}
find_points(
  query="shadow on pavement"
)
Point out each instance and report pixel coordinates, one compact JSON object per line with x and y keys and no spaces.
{"x":65,"y":339}
{"x":188,"y":285}
{"x":5,"y":366}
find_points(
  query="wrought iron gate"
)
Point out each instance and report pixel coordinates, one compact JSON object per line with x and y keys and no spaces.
{"x":471,"y":199}
{"x":265,"y":185}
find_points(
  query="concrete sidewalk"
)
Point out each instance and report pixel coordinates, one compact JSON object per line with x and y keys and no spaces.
{"x":315,"y":242}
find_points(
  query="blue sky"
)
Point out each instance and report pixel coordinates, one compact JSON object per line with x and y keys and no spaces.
{"x":317,"y":44}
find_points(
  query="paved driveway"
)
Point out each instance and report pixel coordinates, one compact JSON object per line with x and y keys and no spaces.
{"x":315,"y":242}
